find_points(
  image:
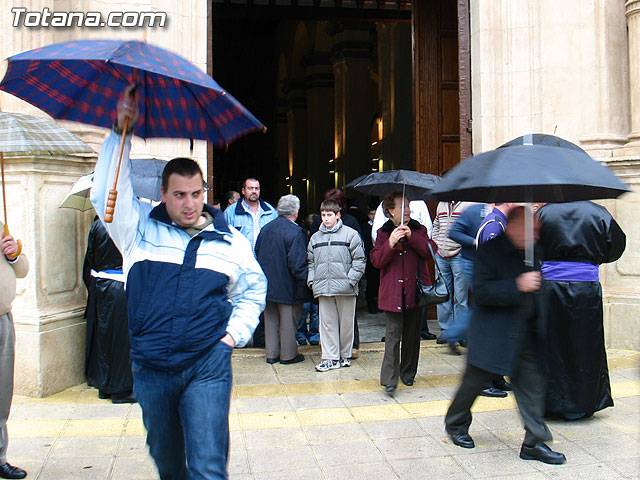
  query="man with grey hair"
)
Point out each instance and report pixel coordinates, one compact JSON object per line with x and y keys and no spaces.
{"x":281,"y":250}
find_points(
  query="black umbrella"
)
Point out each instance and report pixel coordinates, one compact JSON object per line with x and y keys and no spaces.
{"x":415,"y":185}
{"x":552,"y":171}
{"x":529,"y":173}
{"x":356,"y":180}
{"x":349,"y":186}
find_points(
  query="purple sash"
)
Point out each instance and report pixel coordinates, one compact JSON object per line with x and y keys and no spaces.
{"x":570,"y":271}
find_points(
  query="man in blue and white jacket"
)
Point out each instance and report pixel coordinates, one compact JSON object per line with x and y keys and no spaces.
{"x":194,"y":290}
{"x":250,"y":213}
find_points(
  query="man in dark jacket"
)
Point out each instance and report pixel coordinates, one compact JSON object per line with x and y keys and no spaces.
{"x":281,"y":250}
{"x":503,"y":339}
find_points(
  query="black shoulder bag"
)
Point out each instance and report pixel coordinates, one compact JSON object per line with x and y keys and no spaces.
{"x":432,"y":294}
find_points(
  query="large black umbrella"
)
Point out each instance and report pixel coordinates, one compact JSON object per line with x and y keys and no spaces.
{"x":415,"y":185}
{"x":552,"y":171}
{"x":529,"y":173}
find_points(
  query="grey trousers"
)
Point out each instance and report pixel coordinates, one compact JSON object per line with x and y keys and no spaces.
{"x":280,"y":326}
{"x":528,"y":386}
{"x":7,"y":353}
{"x":403,"y":329}
{"x":336,"y":326}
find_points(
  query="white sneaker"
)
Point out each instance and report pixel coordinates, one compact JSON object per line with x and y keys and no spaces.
{"x":345,"y":362}
{"x":327,"y":365}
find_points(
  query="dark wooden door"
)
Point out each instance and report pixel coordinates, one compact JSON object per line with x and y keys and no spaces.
{"x":441,"y":84}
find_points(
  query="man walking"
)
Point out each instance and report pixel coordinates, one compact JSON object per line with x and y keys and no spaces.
{"x":194,"y":290}
{"x":12,"y":266}
{"x":281,"y":250}
{"x":504,"y":340}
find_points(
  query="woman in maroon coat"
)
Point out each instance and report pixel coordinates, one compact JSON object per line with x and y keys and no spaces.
{"x":401,"y":245}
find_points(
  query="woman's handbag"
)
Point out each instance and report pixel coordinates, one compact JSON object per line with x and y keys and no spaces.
{"x":432,"y":294}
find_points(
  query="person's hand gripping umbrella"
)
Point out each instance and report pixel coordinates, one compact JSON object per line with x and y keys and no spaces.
{"x":11,"y":253}
{"x":127,"y":115}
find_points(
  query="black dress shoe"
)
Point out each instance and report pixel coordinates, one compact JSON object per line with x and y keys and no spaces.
{"x":453,"y":349}
{"x":297,"y":359}
{"x":440,"y":340}
{"x":408,"y":383}
{"x":463,"y":440}
{"x":542,"y":453}
{"x":463,"y":343}
{"x":103,"y":395}
{"x":493,"y":392}
{"x":273,"y":360}
{"x":501,"y":384}
{"x":390,"y":389}
{"x":428,"y":336}
{"x":9,"y":471}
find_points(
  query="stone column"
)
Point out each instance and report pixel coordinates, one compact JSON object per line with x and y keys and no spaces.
{"x":396,"y":108}
{"x":320,"y":97}
{"x":282,"y":143}
{"x":633,"y":28}
{"x":297,"y":137}
{"x":607,"y":71}
{"x":354,"y":108}
{"x":48,"y":310}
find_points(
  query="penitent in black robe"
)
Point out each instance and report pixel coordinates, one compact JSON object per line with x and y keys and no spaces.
{"x":108,"y":358}
{"x":575,"y":356}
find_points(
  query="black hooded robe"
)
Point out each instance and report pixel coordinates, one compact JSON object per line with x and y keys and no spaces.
{"x":108,"y":357}
{"x":575,"y":355}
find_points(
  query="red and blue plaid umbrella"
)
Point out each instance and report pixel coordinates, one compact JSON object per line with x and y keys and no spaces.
{"x":83,"y":80}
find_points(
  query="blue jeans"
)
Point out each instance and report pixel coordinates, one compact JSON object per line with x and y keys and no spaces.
{"x":312,"y":334}
{"x":458,"y":331}
{"x":186,"y":415}
{"x":449,"y":312}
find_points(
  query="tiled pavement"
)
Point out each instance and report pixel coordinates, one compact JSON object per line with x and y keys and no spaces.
{"x":290,"y":422}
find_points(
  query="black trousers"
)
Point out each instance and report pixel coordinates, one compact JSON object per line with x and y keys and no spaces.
{"x":403,"y":330}
{"x":528,"y":386}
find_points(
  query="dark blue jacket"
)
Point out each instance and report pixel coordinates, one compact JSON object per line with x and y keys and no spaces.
{"x":464,"y":230}
{"x":281,"y":250}
{"x":502,"y":314}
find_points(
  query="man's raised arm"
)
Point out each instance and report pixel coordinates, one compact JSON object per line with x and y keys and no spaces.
{"x":127,"y":210}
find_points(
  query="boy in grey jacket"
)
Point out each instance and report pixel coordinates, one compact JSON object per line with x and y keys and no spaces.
{"x":336,"y":262}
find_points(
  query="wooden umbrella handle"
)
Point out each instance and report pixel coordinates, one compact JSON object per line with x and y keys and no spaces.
{"x":13,"y":256}
{"x":113,"y":193}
